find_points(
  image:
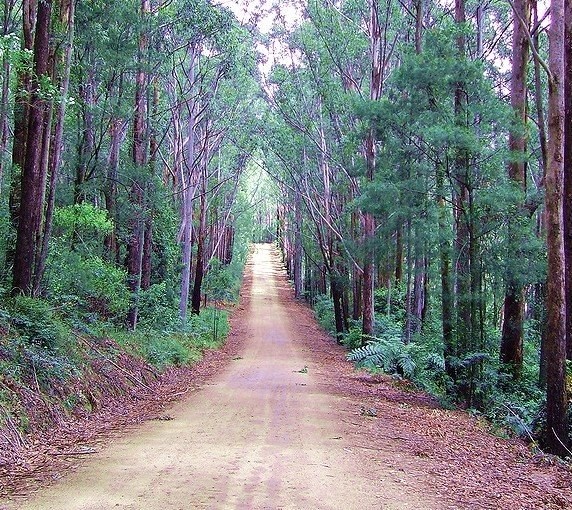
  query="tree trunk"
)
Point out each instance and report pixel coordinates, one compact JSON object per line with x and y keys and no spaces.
{"x":200,"y":260}
{"x":67,"y":19}
{"x":568,"y":175}
{"x":447,"y":302}
{"x":5,"y":93}
{"x":117,"y":135}
{"x":147,"y":256}
{"x":21,"y":119}
{"x":136,"y":239}
{"x":31,"y":207}
{"x":376,"y":87}
{"x":189,"y":186}
{"x":298,"y":252}
{"x":399,"y":255}
{"x":463,"y":213}
{"x":555,"y":349}
{"x":87,"y":141}
{"x":513,"y":324}
{"x":337,"y":296}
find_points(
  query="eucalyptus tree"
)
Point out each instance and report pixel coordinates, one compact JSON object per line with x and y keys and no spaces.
{"x":511,"y":350}
{"x":304,"y":142}
{"x":11,"y":55}
{"x":568,"y":174}
{"x":140,"y":157}
{"x":556,"y":396}
{"x":210,"y":60}
{"x":34,"y":144}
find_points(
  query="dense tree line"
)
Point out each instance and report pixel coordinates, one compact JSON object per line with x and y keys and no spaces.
{"x":124,"y":138}
{"x":419,"y":152}
{"x":420,"y":147}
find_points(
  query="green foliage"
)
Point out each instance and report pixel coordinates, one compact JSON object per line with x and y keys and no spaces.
{"x":158,"y":307}
{"x":324,"y":312}
{"x":178,"y":347}
{"x":81,"y":219}
{"x":353,"y":338}
{"x":391,"y":357}
{"x":38,"y":324}
{"x":19,"y":58}
{"x":222,"y":283}
{"x":37,"y":346}
{"x":89,"y":284}
{"x":162,"y":351}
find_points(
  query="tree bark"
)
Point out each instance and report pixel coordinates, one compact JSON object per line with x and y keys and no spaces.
{"x":298,"y":284}
{"x":134,"y":260}
{"x":67,"y":19}
{"x":87,"y":140}
{"x":189,"y":186}
{"x":117,"y":134}
{"x":447,"y":302}
{"x":568,"y":174}
{"x":200,"y":258}
{"x":555,"y":349}
{"x":5,"y":93}
{"x":376,"y":87}
{"x":461,"y":200}
{"x":31,"y":207}
{"x":21,"y":119}
{"x":513,"y":325}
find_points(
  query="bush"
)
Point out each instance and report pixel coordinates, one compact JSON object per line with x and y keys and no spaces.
{"x":38,"y":324}
{"x":162,"y":351}
{"x":88,"y":284}
{"x":222,"y":283}
{"x":158,"y":307}
{"x":178,"y":347}
{"x":324,"y":311}
{"x":353,"y":338}
{"x":390,"y":302}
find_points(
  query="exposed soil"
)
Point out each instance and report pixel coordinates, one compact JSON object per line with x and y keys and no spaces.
{"x":279,"y":420}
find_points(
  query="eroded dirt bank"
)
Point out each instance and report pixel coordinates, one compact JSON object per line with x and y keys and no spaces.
{"x":282,"y":427}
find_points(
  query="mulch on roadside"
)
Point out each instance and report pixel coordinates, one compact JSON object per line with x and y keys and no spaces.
{"x":46,"y":456}
{"x":464,"y":464}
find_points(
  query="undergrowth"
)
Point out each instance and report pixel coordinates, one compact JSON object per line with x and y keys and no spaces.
{"x":49,"y":359}
{"x":511,"y":407}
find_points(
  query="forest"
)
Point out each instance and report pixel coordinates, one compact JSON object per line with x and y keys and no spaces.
{"x":412,"y":160}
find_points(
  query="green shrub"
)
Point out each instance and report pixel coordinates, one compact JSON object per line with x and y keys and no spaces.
{"x":158,"y":307}
{"x":87,"y":284}
{"x":387,"y":355}
{"x":177,"y":347}
{"x":222,"y":283}
{"x":162,"y":351}
{"x":390,"y":302}
{"x":37,"y":322}
{"x":209,"y":329}
{"x":353,"y":338}
{"x":324,"y":312}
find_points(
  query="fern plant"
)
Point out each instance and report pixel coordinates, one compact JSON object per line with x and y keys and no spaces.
{"x":390,"y":356}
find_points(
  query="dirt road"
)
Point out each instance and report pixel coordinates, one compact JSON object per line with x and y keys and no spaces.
{"x":266,"y":433}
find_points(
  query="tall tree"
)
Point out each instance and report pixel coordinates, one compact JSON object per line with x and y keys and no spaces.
{"x":555,"y":346}
{"x":513,"y":325}
{"x":378,"y":63}
{"x":568,"y":174}
{"x":33,"y":172}
{"x":140,"y":156}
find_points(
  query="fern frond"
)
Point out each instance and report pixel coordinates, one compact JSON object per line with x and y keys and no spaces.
{"x":475,"y":358}
{"x":435,"y":362}
{"x":407,"y":365}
